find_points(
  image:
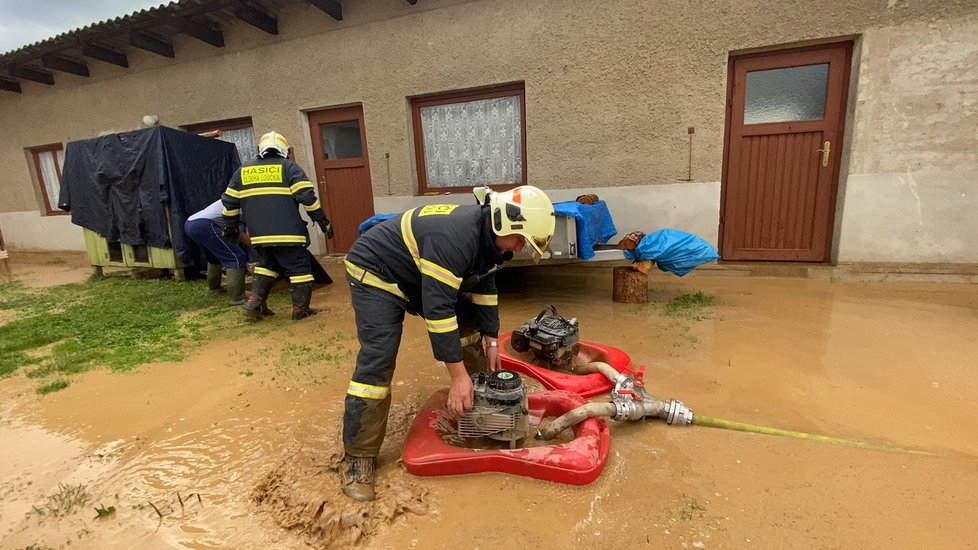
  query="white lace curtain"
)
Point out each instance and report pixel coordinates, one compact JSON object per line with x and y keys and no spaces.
{"x":473,"y":143}
{"x":49,"y":174}
{"x":244,"y":140}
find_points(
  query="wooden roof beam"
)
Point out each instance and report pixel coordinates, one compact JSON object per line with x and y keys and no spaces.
{"x":256,"y":18}
{"x":35,"y":75}
{"x":9,"y":85}
{"x":106,"y":55}
{"x":64,"y":65}
{"x":203,"y":32}
{"x":333,"y":8}
{"x":151,"y":44}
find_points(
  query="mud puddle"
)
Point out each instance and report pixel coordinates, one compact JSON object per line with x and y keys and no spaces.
{"x":237,"y":446}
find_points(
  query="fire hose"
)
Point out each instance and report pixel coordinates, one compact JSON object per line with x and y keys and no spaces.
{"x":631,"y":401}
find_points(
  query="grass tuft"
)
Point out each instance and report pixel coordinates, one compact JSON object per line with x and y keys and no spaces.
{"x":64,"y":501}
{"x":690,"y":306}
{"x":57,"y":385}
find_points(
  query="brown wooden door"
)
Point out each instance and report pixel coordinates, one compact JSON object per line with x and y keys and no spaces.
{"x":785,"y":116}
{"x":339,"y":143}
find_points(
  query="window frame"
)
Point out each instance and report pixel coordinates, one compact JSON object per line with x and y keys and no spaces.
{"x":42,"y":185}
{"x":463,"y":96}
{"x":227,"y":124}
{"x":222,"y":126}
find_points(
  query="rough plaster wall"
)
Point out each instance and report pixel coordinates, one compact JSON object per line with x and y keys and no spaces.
{"x":912,"y":191}
{"x":24,"y":230}
{"x":611,"y":85}
{"x":691,"y":207}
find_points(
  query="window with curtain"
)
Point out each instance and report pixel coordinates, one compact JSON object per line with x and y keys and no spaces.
{"x":238,"y":131}
{"x":48,"y":161}
{"x":466,"y":139}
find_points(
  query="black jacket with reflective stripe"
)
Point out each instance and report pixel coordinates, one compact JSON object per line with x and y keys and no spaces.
{"x":267,"y":191}
{"x":454,"y":257}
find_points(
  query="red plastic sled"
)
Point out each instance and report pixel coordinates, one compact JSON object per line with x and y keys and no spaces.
{"x":585,"y":385}
{"x":577,"y":462}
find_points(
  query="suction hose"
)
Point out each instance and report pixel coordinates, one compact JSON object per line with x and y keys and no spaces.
{"x":630,"y":401}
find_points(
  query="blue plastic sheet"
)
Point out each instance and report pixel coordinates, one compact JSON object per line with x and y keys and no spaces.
{"x":594,"y":224}
{"x":674,"y":251}
{"x":372,"y":221}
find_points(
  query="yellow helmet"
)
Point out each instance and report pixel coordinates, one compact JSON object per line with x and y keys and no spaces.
{"x":273,"y":141}
{"x":525,"y":211}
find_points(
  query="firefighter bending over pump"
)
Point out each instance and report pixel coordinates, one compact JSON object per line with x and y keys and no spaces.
{"x":436,"y":261}
{"x":267,"y":191}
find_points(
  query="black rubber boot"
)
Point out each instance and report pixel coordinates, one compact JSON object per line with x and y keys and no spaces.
{"x":357,"y":478}
{"x":301,"y":296}
{"x":236,"y":287}
{"x":256,"y":307}
{"x":214,"y":277}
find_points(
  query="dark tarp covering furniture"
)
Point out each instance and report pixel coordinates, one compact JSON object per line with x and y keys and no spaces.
{"x":120,"y":185}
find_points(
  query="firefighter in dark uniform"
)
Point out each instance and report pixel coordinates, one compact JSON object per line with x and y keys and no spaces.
{"x":436,"y":261}
{"x":269,"y":190}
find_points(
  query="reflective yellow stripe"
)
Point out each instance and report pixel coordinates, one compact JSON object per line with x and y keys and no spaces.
{"x":426,"y":267}
{"x":265,"y":272}
{"x":314,"y":206}
{"x":301,"y":278}
{"x":407,"y":233}
{"x":299,"y":185}
{"x":235,"y":212}
{"x":484,"y":299}
{"x":442,"y":325}
{"x":367,"y":391}
{"x":470,"y":339}
{"x":263,"y":191}
{"x":370,"y":279}
{"x":233,"y":193}
{"x":438,"y":272}
{"x":277,"y":239}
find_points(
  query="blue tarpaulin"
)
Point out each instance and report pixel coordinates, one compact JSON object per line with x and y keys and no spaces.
{"x":594,"y":224}
{"x":674,"y":251}
{"x":372,"y":221}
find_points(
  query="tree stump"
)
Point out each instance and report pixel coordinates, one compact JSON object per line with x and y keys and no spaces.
{"x":631,"y":286}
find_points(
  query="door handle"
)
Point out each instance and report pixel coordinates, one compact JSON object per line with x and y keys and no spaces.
{"x":825,"y":150}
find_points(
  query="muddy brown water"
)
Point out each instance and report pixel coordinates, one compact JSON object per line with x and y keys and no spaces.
{"x":202,"y":455}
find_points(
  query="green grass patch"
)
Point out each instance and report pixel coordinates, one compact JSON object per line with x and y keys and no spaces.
{"x":57,"y":385}
{"x":115,"y":322}
{"x":690,"y":306}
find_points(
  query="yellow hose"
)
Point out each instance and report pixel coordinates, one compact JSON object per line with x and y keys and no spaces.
{"x":701,"y":420}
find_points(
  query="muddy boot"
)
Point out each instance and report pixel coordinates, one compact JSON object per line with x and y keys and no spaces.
{"x":256,"y":308}
{"x":301,"y":296}
{"x":214,"y":277}
{"x":236,"y":287}
{"x":357,"y":477}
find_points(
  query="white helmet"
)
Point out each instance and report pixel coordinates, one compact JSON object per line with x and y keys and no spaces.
{"x":273,"y":142}
{"x":525,"y":211}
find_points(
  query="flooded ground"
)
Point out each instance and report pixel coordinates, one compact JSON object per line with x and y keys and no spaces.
{"x":236,"y":447}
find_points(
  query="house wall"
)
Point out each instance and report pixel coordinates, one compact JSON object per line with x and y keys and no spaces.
{"x":611,"y":88}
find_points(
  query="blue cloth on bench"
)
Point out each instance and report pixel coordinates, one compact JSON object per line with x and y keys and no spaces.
{"x":372,"y":221}
{"x":674,"y":251}
{"x":594,"y":224}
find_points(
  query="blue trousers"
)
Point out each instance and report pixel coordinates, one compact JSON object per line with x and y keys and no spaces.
{"x":207,"y":234}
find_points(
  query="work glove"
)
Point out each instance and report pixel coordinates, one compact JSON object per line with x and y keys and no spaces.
{"x":230,"y":233}
{"x":326,"y":227}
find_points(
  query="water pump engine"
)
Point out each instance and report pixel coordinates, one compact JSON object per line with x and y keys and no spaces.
{"x":553,"y":339}
{"x":499,"y":408}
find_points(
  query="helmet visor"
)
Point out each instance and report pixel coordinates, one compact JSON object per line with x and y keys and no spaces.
{"x":541,"y":243}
